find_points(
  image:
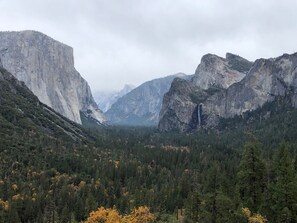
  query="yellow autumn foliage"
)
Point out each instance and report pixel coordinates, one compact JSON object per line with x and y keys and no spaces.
{"x":139,"y":215}
{"x":82,"y":184}
{"x":253,"y":218}
{"x":108,"y":215}
{"x":17,"y":197}
{"x":14,"y":187}
{"x":103,"y":215}
{"x":4,"y":204}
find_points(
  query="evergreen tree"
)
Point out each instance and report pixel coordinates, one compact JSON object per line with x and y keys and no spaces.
{"x":3,"y":215}
{"x":218,"y":205}
{"x":251,"y":177}
{"x":212,"y":185}
{"x":29,"y":214}
{"x":39,"y":217}
{"x":13,"y":216}
{"x":65,"y":215}
{"x":285,"y":187}
{"x":51,"y":215}
{"x":194,"y":207}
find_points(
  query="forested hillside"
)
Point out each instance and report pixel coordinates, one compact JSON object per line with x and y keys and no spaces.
{"x":52,"y":170}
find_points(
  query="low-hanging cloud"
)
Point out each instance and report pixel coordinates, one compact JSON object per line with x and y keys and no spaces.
{"x":117,"y":42}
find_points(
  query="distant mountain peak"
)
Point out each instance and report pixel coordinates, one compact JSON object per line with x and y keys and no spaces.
{"x":106,"y":99}
{"x":142,"y":105}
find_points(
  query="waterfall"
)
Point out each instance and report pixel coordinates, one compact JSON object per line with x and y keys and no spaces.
{"x":199,"y":108}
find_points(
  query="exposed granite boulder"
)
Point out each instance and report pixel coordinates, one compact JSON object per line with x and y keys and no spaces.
{"x":46,"y":66}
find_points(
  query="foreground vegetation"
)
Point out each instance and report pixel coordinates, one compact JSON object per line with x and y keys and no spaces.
{"x":199,"y":175}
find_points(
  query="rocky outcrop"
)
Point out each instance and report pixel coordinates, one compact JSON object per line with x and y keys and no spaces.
{"x":183,"y":106}
{"x":265,"y":80}
{"x":46,"y":66}
{"x":220,"y":72}
{"x":178,"y":110}
{"x":142,"y":105}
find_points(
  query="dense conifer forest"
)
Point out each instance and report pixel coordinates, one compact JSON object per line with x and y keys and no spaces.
{"x":242,"y":171}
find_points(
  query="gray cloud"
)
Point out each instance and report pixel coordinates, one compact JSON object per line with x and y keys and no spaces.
{"x":117,"y":42}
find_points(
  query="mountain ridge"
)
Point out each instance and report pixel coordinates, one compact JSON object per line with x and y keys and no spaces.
{"x":265,"y":79}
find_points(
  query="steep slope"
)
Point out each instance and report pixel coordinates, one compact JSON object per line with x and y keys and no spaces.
{"x":142,"y":105}
{"x":267,"y":79}
{"x":183,"y":104}
{"x":22,"y":115}
{"x":46,"y":66}
{"x":106,"y":99}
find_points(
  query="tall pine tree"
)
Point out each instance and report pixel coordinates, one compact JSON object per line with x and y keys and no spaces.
{"x":218,"y":206}
{"x":284,"y":188}
{"x":251,"y":177}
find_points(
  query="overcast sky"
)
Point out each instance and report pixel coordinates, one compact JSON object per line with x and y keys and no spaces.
{"x":119,"y":42}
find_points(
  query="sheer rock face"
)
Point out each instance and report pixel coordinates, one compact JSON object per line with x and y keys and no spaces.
{"x":46,"y":66}
{"x":220,"y":72}
{"x":266,"y":79}
{"x":214,"y":95}
{"x":142,"y":105}
{"x":178,"y":108}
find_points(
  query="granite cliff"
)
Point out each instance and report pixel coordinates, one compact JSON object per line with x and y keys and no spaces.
{"x":46,"y":66}
{"x":210,"y":95}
